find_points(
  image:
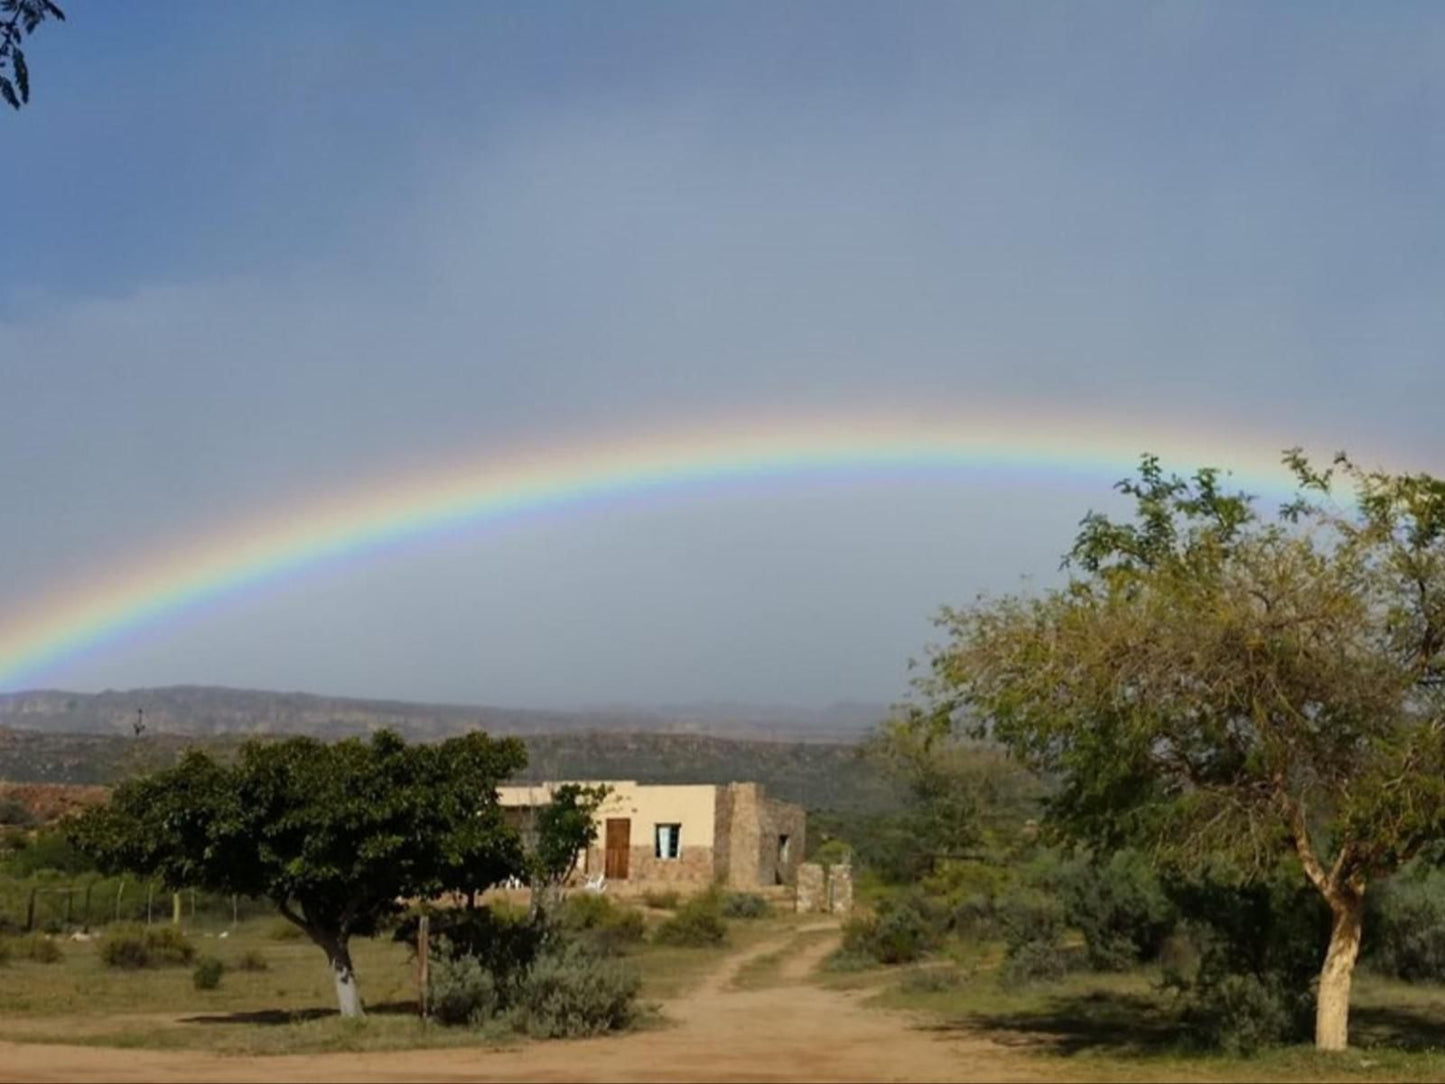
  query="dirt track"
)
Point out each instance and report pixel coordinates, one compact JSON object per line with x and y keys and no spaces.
{"x":791,"y":1031}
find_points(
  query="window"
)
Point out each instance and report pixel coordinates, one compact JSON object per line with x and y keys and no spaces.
{"x":667,"y":842}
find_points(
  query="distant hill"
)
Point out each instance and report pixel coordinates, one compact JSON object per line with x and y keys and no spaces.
{"x":819,"y":775}
{"x":210,"y":711}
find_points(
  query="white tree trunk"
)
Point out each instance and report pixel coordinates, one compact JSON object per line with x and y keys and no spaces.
{"x":1332,"y":1012}
{"x":348,"y":997}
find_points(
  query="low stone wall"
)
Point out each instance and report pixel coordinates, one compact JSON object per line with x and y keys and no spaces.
{"x":824,"y":889}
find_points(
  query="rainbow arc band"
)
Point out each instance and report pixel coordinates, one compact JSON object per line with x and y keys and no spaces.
{"x":392,"y":512}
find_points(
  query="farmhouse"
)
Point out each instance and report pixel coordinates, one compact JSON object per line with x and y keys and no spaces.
{"x":686,"y":835}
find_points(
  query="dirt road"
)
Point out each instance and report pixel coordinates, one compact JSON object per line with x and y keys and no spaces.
{"x":788,"y":1031}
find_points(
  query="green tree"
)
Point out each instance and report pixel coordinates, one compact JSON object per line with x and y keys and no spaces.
{"x":18,"y":20}
{"x":335,"y":836}
{"x":555,"y":834}
{"x":1210,"y":682}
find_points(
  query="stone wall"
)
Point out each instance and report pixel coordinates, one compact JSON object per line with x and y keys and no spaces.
{"x":824,"y":889}
{"x":693,"y":867}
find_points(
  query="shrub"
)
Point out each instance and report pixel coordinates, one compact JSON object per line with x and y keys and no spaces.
{"x":131,"y":946}
{"x":40,"y":949}
{"x":1406,"y":919}
{"x":1033,"y":929}
{"x":698,"y":923}
{"x":207,"y":974}
{"x":1120,"y":908}
{"x":503,"y":942}
{"x":743,"y":905}
{"x":607,"y":926}
{"x":570,"y":991}
{"x":169,"y":946}
{"x":252,"y":960}
{"x":460,"y":990}
{"x":283,"y":929}
{"x":904,"y":929}
{"x":5,"y":952}
{"x":662,"y":900}
{"x":1259,"y":947}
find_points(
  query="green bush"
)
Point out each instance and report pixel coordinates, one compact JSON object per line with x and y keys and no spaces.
{"x":39,"y":949}
{"x":1405,"y":917}
{"x":460,"y":990}
{"x":207,"y":973}
{"x":662,"y":900}
{"x":743,"y":905}
{"x":504,"y":943}
{"x":252,"y":960}
{"x":1033,"y":930}
{"x":1120,"y":908}
{"x":606,"y":925}
{"x":698,"y":923}
{"x":570,"y":991}
{"x":5,"y":952}
{"x":129,"y":946}
{"x":904,"y":929}
{"x":283,"y":929}
{"x":1259,"y":946}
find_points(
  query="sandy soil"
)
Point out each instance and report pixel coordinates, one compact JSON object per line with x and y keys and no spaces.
{"x":791,"y":1031}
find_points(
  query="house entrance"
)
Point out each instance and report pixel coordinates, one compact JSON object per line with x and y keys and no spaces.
{"x":619,"y":843}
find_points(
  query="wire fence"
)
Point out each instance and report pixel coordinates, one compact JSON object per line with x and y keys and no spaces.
{"x":63,"y":904}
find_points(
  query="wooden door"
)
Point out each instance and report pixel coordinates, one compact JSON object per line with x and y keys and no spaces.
{"x":619,"y":848}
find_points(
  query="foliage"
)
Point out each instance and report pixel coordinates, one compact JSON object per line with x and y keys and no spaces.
{"x":605,"y":925}
{"x":743,"y":905}
{"x":207,"y":973}
{"x":1033,"y":927}
{"x":571,"y":991}
{"x":40,"y":949}
{"x":662,"y":900}
{"x":15,"y":813}
{"x":18,"y":20}
{"x":503,"y":944}
{"x":555,"y":834}
{"x":283,"y":930}
{"x":131,"y":947}
{"x":1255,"y":945}
{"x":49,"y":849}
{"x":333,"y":835}
{"x":1119,"y":906}
{"x":904,"y":929}
{"x":252,"y":960}
{"x":1406,"y":919}
{"x":1209,"y":683}
{"x":698,"y":923}
{"x":6,"y":952}
{"x":460,"y":989}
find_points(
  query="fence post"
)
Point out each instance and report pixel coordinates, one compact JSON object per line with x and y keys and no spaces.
{"x":69,"y":905}
{"x":119,"y":893}
{"x":85,"y":918}
{"x":423,"y":961}
{"x":30,"y":911}
{"x":234,"y":918}
{"x":150,"y":895}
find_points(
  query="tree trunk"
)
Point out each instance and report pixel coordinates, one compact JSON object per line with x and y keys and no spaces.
{"x":1332,"y":1012}
{"x":338,"y":955}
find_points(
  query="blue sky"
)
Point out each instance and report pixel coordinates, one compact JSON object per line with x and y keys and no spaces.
{"x":258,"y":252}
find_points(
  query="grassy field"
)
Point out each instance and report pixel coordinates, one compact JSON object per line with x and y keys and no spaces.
{"x":1123,"y":1026}
{"x":287,"y":1008}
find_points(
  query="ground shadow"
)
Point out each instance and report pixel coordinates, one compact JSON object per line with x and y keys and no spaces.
{"x":1118,"y":1023}
{"x":274,"y":1017}
{"x":1400,"y":1028}
{"x":1125,"y":1024}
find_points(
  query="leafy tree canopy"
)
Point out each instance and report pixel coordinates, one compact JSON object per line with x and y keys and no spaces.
{"x":336,"y":836}
{"x":1215,"y":683}
{"x":18,"y":20}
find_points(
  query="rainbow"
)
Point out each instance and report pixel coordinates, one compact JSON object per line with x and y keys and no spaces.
{"x":61,"y":625}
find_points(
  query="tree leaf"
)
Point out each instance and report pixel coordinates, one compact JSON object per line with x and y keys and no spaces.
{"x":7,"y":91}
{"x":22,"y":73}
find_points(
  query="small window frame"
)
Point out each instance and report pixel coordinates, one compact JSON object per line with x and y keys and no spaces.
{"x":673,"y":830}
